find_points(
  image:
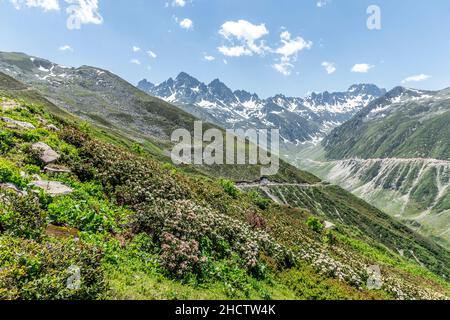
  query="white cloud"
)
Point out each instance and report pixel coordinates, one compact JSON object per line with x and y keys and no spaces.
{"x":66,"y":48}
{"x":284,"y":67}
{"x":208,"y":57}
{"x":235,"y":51}
{"x":151,"y":54}
{"x":292,"y":47}
{"x":330,"y":67}
{"x":135,"y":61}
{"x":243,"y":36}
{"x":246,"y":39}
{"x":289,"y":52}
{"x":136,"y":49}
{"x":83,"y":12}
{"x":178,"y":3}
{"x":417,"y":78}
{"x":362,"y":68}
{"x":322,"y":3}
{"x":79,"y":11}
{"x":46,"y":5}
{"x":186,"y":24}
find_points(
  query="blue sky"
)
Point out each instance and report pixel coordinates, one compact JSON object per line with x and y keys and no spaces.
{"x":267,"y":47}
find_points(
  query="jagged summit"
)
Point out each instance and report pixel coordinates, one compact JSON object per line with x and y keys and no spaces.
{"x":301,"y":119}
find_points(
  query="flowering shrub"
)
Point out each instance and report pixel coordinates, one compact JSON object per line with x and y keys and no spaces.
{"x":174,"y":211}
{"x":256,"y":221}
{"x":179,"y":256}
{"x":190,"y":234}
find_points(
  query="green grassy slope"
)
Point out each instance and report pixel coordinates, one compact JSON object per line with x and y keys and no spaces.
{"x":410,"y":129}
{"x":148,"y":230}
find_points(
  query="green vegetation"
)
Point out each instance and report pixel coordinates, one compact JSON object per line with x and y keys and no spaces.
{"x":138,"y":228}
{"x":315,"y":224}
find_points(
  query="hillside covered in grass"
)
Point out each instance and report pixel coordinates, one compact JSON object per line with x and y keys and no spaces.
{"x":76,"y":201}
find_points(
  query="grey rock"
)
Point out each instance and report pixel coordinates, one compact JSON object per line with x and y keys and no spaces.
{"x":16,"y":123}
{"x":329,"y":225}
{"x":53,"y":188}
{"x":47,"y":154}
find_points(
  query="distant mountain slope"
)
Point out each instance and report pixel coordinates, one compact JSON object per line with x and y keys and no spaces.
{"x":98,"y":95}
{"x":414,"y":191}
{"x":395,"y":154}
{"x":404,"y":123}
{"x":300,"y":120}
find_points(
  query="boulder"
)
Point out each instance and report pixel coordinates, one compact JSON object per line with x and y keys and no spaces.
{"x":53,"y":188}
{"x":46,"y":154}
{"x":14,"y":124}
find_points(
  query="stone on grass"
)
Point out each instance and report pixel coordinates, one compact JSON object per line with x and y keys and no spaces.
{"x":46,"y":154}
{"x":329,"y":225}
{"x":53,"y":188}
{"x":14,"y":124}
{"x":52,"y":127}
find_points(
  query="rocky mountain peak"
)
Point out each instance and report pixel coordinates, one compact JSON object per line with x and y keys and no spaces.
{"x":218,"y":103}
{"x":145,"y":85}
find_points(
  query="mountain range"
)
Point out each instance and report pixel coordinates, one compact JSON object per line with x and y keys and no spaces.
{"x":300,"y":120}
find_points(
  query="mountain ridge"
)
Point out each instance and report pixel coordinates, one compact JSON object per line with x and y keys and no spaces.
{"x":300,"y":119}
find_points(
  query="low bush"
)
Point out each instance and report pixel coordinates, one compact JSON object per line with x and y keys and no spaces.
{"x":258,"y":200}
{"x":314,"y":224}
{"x":21,"y":216}
{"x":48,"y":271}
{"x":191,"y":235}
{"x":229,"y":187}
{"x":9,"y":173}
{"x":87,"y":210}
